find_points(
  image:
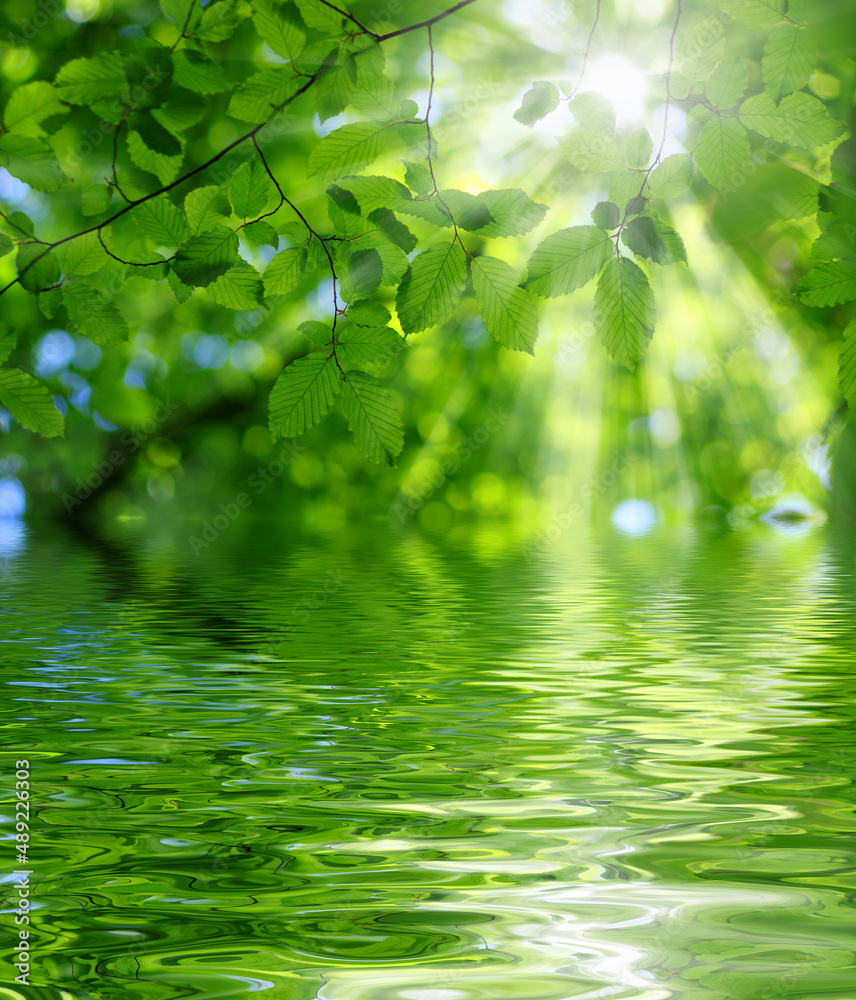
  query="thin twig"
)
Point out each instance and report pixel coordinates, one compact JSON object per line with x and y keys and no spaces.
{"x":586,"y":52}
{"x":287,"y":201}
{"x":232,"y":145}
{"x":129,"y":263}
{"x":665,"y":127}
{"x":422,"y":24}
{"x":163,"y":190}
{"x":184,"y":29}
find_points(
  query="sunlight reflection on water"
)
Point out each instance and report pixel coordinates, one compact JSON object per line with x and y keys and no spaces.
{"x":618,"y":770}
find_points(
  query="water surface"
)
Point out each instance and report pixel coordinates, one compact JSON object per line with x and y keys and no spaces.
{"x":372,"y":764}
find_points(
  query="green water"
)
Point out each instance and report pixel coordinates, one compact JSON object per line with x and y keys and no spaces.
{"x":369,"y":763}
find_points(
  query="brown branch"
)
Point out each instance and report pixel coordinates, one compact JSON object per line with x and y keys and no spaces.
{"x":422,"y":24}
{"x":399,"y":31}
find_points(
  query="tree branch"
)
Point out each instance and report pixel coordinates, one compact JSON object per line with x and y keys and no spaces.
{"x":163,"y":190}
{"x":237,"y":142}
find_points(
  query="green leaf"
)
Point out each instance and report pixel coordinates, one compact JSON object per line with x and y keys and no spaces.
{"x":45,"y":270}
{"x":369,"y":313}
{"x":507,"y":310}
{"x":85,"y":255}
{"x":836,"y":243}
{"x":828,"y":284}
{"x":671,"y":177}
{"x":165,"y":168}
{"x":393,"y":259}
{"x":374,"y":95}
{"x":93,"y":314}
{"x":303,"y":395}
{"x":408,"y":109}
{"x":205,"y":257}
{"x":195,"y":71}
{"x":847,"y":364}
{"x":396,"y":231}
{"x":432,"y":287}
{"x":30,"y":403}
{"x":624,"y":311}
{"x":721,"y":149}
{"x":284,"y":271}
{"x":503,"y":212}
{"x":84,"y":81}
{"x":373,"y":418}
{"x":183,"y":12}
{"x":593,"y":112}
{"x":50,"y":301}
{"x":29,"y":106}
{"x":365,"y":345}
{"x":418,"y":177}
{"x":592,"y":153}
{"x":319,"y":334}
{"x":6,"y":245}
{"x":344,"y":212}
{"x":32,"y":161}
{"x":757,"y":12}
{"x":639,"y":148}
{"x":162,"y":222}
{"x":154,"y":135}
{"x":374,"y":192}
{"x":249,"y":189}
{"x":702,"y":49}
{"x":567,"y":260}
{"x":23,"y":223}
{"x":95,"y":199}
{"x":239,"y":288}
{"x":220,"y":20}
{"x":648,"y":237}
{"x":206,"y":208}
{"x":347,"y":148}
{"x":280,"y":26}
{"x":321,"y":17}
{"x":537,"y":103}
{"x":263,"y":94}
{"x":7,"y":343}
{"x":261,"y":234}
{"x":606,"y":215}
{"x":799,"y":120}
{"x":184,"y":110}
{"x":181,"y":291}
{"x":360,"y":274}
{"x":727,"y":83}
{"x":787,"y":61}
{"x":336,"y":84}
{"x":148,"y":70}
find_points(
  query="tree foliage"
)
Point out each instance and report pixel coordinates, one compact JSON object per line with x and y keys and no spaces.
{"x":395,"y":233}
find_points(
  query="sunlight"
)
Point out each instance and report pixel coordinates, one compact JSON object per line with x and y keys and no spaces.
{"x":622,"y":83}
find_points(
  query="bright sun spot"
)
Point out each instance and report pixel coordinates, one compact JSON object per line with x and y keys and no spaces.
{"x":622,"y":83}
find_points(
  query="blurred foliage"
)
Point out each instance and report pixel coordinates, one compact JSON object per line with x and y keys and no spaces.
{"x":736,"y":405}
